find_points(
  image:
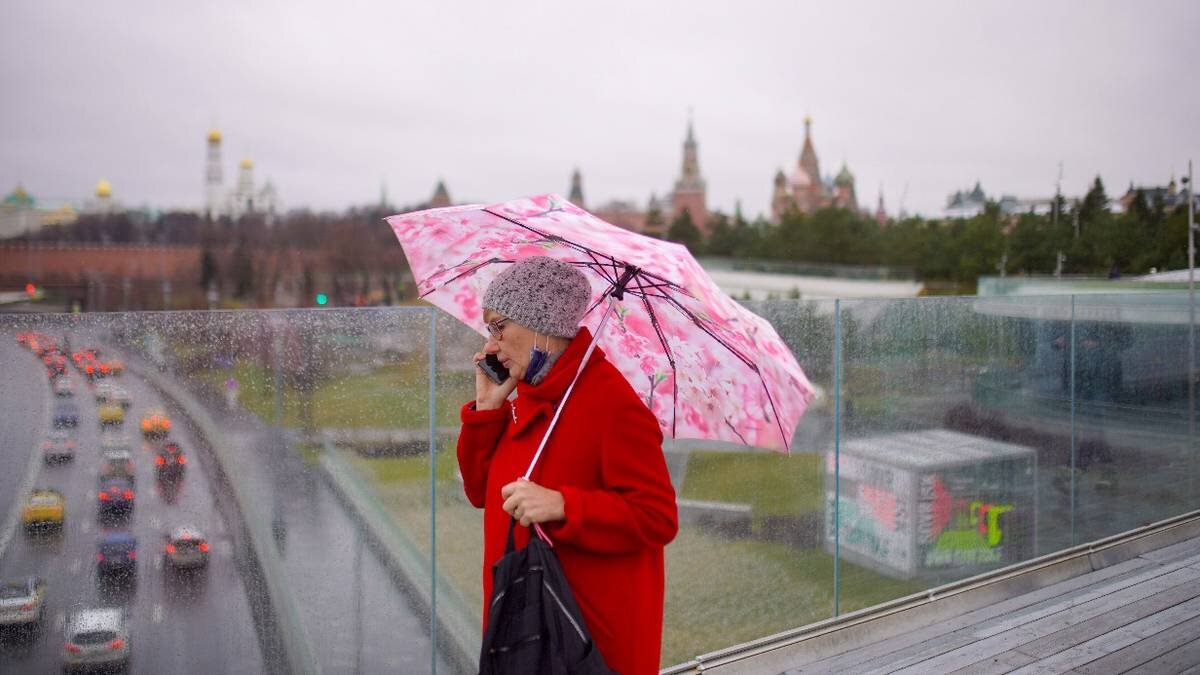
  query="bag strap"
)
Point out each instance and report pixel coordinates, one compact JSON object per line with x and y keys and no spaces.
{"x":558,"y":412}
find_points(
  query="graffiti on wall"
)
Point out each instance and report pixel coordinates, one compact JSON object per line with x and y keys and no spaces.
{"x":960,"y":531}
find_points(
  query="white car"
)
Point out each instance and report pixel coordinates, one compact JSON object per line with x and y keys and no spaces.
{"x":64,"y":387}
{"x":114,"y":439}
{"x":104,"y":392}
{"x":22,"y":602}
{"x":96,"y":637}
{"x":58,"y":447}
{"x":186,"y":547}
{"x":120,"y":396}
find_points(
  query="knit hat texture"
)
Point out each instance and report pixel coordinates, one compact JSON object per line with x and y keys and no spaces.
{"x":543,"y":294}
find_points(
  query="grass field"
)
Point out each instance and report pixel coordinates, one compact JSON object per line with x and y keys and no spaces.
{"x":719,"y":591}
{"x":391,"y":396}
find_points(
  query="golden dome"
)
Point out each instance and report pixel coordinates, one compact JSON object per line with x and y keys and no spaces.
{"x":246,"y":163}
{"x":214,"y":135}
{"x":103,"y":189}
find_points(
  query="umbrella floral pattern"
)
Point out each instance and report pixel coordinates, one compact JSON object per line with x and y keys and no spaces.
{"x":707,"y":367}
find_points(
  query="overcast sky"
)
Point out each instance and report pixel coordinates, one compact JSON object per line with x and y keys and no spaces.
{"x":504,"y":99}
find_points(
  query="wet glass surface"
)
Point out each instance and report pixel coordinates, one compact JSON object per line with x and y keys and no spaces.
{"x":315,"y":452}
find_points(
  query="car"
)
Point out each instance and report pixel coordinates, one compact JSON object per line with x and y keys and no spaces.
{"x":120,"y":396}
{"x":96,"y":637}
{"x":186,"y":547}
{"x":64,"y":387}
{"x":116,"y":464}
{"x":115,"y":495}
{"x":111,"y":414}
{"x":66,"y":414}
{"x":103,"y":392}
{"x":44,"y":508}
{"x":116,"y":554}
{"x":58,"y":447}
{"x":114,"y":439}
{"x":156,"y":425}
{"x":115,"y":367}
{"x":22,"y":603}
{"x":169,"y":460}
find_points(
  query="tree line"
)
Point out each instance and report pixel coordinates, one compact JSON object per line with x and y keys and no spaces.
{"x":1089,"y":236}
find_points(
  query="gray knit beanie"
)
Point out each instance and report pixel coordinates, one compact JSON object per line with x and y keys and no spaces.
{"x":543,"y":294}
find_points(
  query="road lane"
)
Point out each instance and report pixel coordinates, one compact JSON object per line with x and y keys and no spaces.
{"x":176,"y":624}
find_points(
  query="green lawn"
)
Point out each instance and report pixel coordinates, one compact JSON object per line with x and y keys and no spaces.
{"x":773,"y":484}
{"x":719,"y":591}
{"x":392,"y":396}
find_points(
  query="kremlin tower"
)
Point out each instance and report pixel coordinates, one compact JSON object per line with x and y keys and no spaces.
{"x":689,"y":193}
{"x":214,"y":192}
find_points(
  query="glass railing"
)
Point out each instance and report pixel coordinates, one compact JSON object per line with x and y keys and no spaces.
{"x":950,"y":436}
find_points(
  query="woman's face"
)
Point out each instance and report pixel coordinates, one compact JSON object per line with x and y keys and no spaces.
{"x":511,"y":346}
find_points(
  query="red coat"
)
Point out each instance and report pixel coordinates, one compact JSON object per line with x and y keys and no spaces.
{"x":606,"y":458}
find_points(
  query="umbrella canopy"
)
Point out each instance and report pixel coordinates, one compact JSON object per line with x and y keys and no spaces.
{"x":706,"y":367}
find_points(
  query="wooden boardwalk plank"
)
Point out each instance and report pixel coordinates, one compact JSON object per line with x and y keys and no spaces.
{"x":1109,"y":622}
{"x":956,"y":633}
{"x":1146,"y":650}
{"x":989,"y":641}
{"x":1087,"y":641}
{"x":1102,"y":645}
{"x":1174,"y":661}
{"x":855,"y":659}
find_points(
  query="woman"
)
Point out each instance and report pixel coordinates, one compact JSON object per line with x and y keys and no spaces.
{"x":600,"y":491}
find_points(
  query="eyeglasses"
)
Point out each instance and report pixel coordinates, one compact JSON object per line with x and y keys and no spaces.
{"x":496,"y":328}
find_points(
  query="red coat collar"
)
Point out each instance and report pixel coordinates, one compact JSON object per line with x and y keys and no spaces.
{"x":536,"y":401}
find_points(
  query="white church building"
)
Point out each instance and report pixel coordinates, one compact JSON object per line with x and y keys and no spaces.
{"x":244,"y":198}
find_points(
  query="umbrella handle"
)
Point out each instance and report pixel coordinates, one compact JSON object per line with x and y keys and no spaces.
{"x":554,"y":422}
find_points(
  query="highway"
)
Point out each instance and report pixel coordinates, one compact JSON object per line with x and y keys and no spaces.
{"x":177,"y":623}
{"x":352,"y":612}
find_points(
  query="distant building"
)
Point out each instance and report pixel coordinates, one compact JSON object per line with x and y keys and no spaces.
{"x":970,"y":203}
{"x":689,"y":194}
{"x":1167,"y":196}
{"x":966,"y":203}
{"x":806,"y":191}
{"x":690,"y":189}
{"x":21,"y":213}
{"x":245,"y":198}
{"x":576,"y":194}
{"x":441,"y":197}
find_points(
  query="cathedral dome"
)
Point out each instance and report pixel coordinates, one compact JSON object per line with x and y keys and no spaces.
{"x":844,"y":177}
{"x":103,"y":188}
{"x":214,"y":135}
{"x":801,"y":179}
{"x":246,"y":163}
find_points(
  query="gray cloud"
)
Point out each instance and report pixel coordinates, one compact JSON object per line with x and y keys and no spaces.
{"x":504,"y":99}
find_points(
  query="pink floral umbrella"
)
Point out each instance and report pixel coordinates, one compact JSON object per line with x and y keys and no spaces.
{"x":707,"y":367}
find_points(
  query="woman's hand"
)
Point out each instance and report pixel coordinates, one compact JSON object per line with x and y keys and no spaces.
{"x":488,"y":394}
{"x":531,"y":503}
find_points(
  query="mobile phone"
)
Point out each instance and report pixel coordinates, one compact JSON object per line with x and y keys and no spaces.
{"x":495,"y":371}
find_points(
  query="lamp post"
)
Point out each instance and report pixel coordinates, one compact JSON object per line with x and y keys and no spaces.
{"x":1191,"y":228}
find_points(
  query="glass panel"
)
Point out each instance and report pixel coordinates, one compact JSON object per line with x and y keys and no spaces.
{"x":295,"y":427}
{"x":953,"y":415}
{"x":754,"y":519}
{"x":1135,"y":443}
{"x":974,"y":433}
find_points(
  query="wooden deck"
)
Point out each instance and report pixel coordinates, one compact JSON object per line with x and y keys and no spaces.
{"x":1141,"y":615}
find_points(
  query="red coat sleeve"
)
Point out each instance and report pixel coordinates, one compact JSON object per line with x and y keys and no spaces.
{"x":636,"y":509}
{"x":481,"y":431}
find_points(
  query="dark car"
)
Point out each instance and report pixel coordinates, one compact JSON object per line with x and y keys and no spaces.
{"x":115,"y":495}
{"x":116,"y":554}
{"x":66,"y":414}
{"x":169,"y":460}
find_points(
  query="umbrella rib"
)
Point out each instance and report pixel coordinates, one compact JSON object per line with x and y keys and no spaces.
{"x":662,"y":339}
{"x":750,"y":364}
{"x":465,"y":273}
{"x":616,"y":263}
